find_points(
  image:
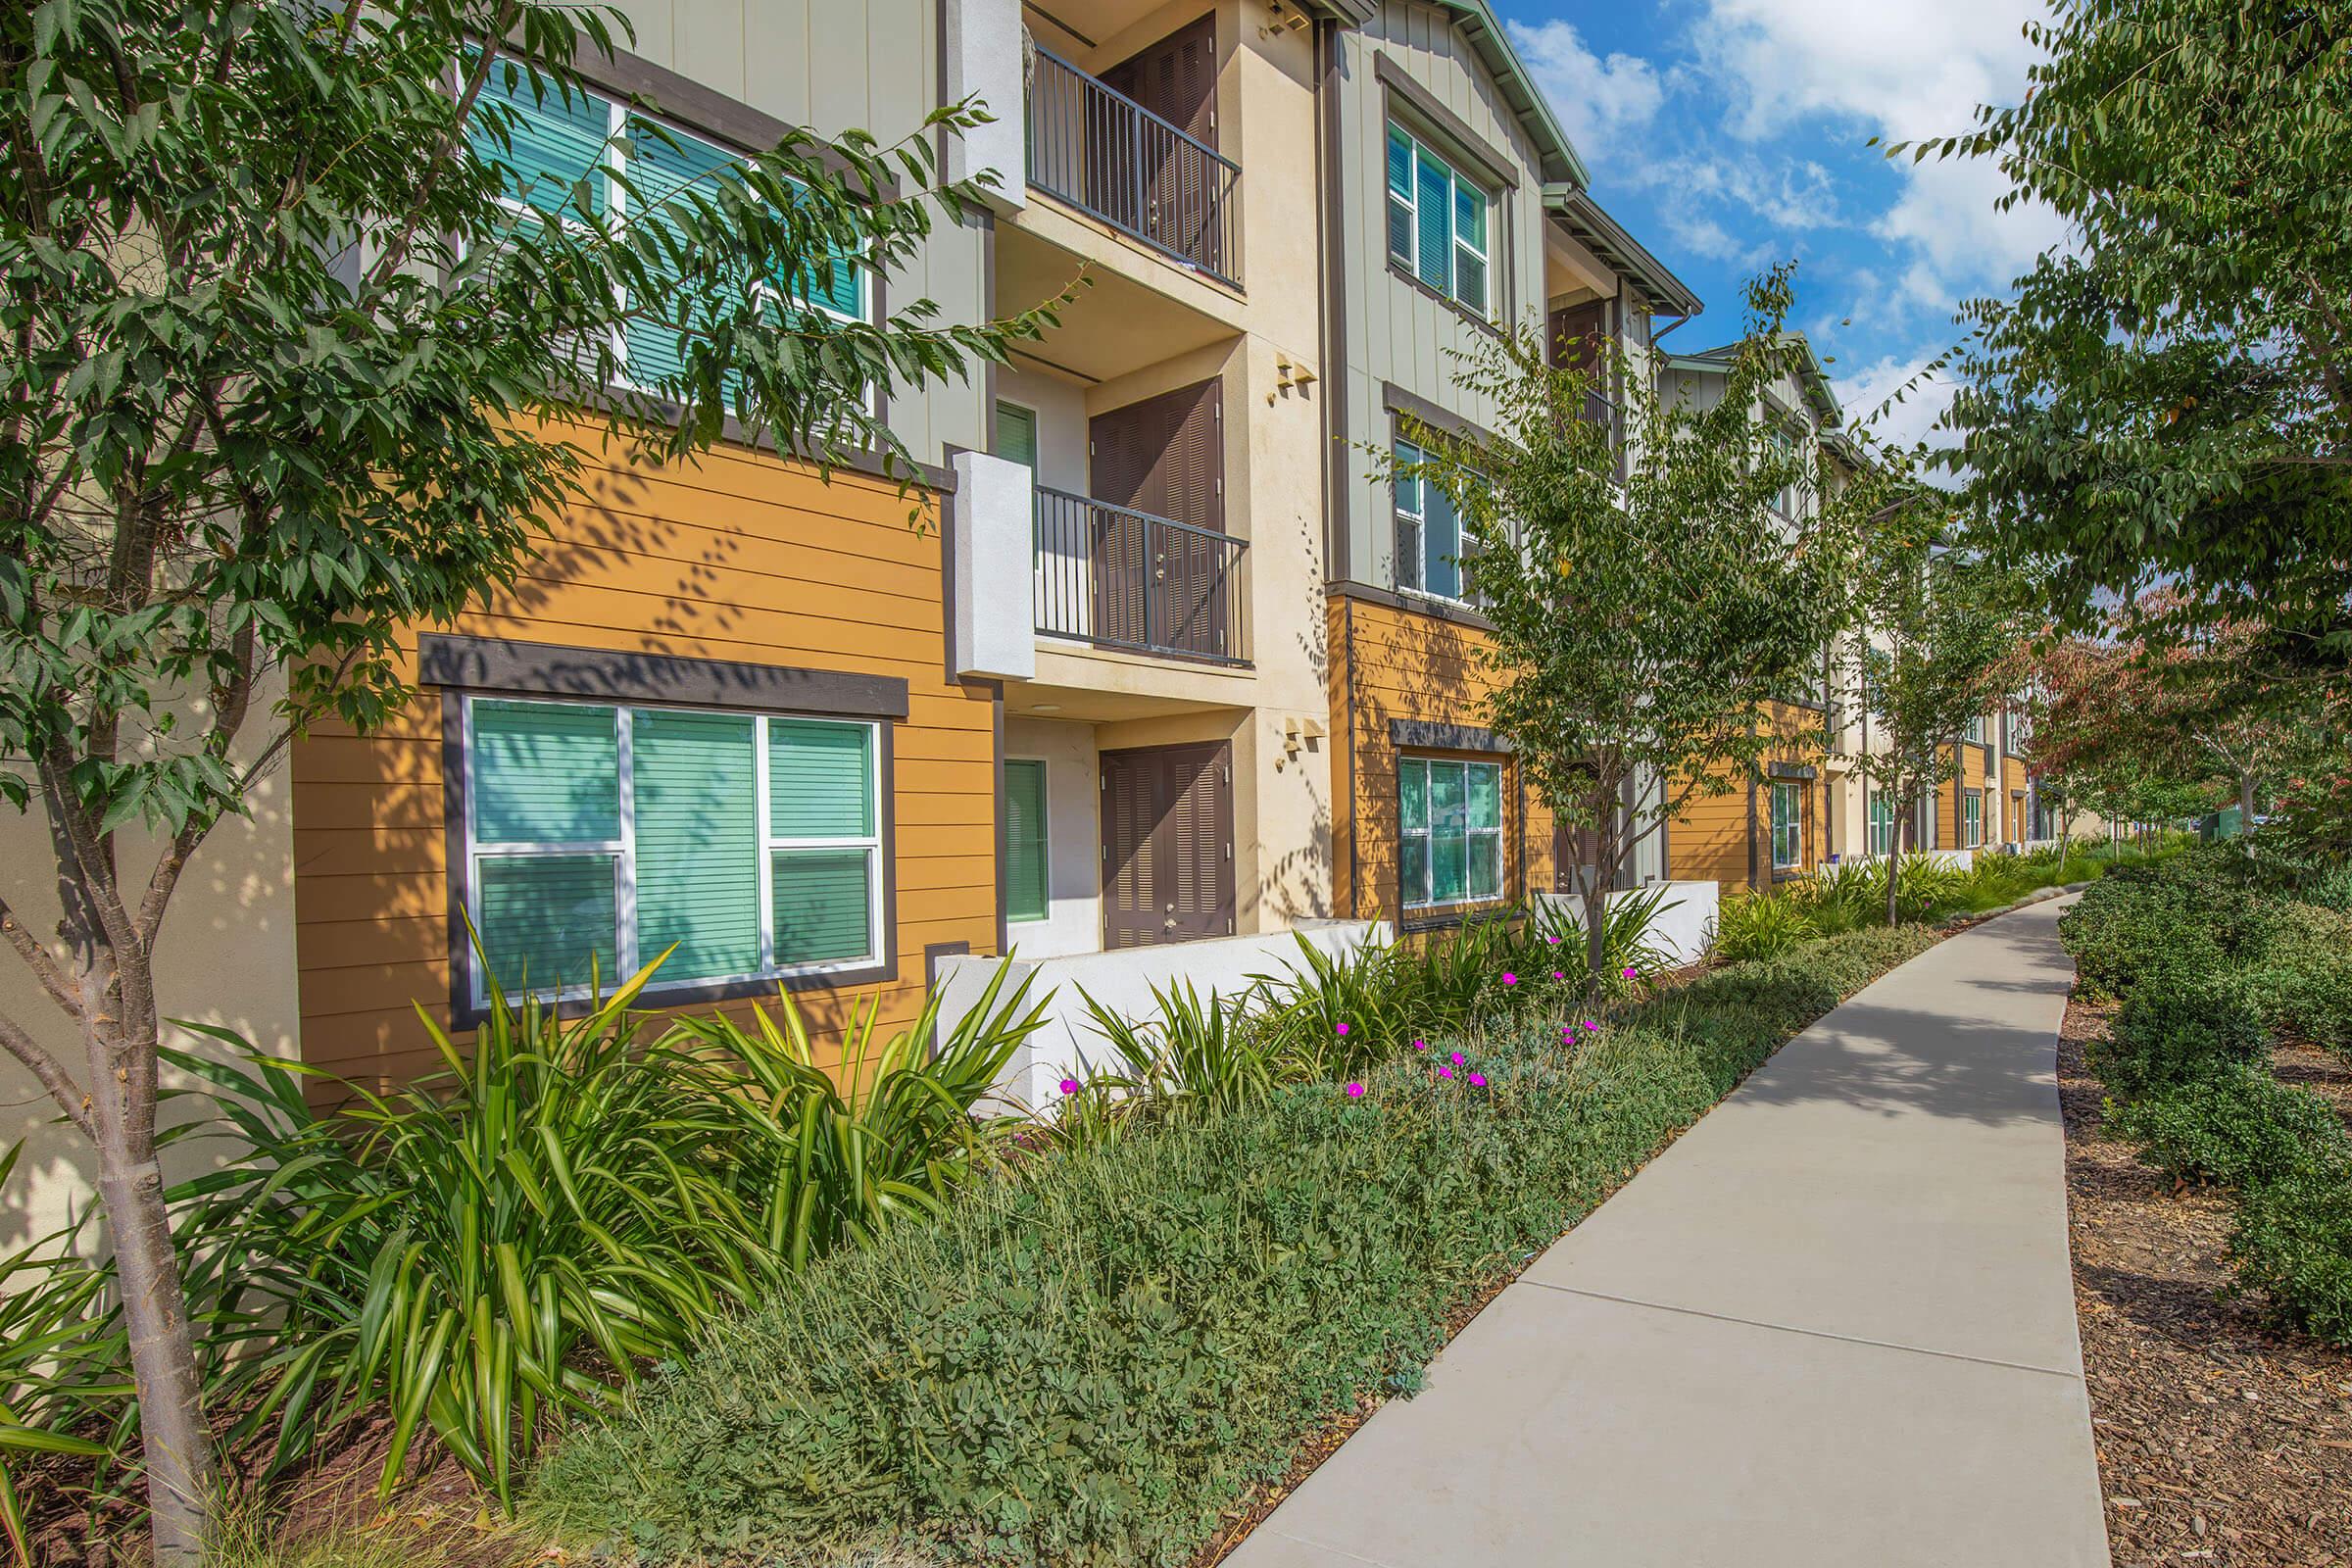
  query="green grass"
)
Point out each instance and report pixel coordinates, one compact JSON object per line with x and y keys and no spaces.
{"x":1090,"y":1361}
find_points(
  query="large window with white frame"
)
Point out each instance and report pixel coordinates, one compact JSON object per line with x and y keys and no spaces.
{"x":1433,"y":542}
{"x":558,"y":148}
{"x":1787,"y":826}
{"x":746,"y":846}
{"x":1438,"y":224}
{"x":1971,"y":819}
{"x":1881,"y":824}
{"x":1450,"y":831}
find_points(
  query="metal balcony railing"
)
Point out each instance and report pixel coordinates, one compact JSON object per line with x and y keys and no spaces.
{"x":1122,"y":578}
{"x":1106,"y":153}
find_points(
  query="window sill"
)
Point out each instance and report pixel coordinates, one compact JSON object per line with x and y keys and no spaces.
{"x":1470,"y":316}
{"x":1446,"y":917}
{"x":692,"y":994}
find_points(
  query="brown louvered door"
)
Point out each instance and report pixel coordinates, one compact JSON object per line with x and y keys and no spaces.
{"x":1159,"y":587}
{"x":1167,"y":845}
{"x":1175,"y":78}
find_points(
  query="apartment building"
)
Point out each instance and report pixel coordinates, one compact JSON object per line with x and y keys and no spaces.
{"x":1453,"y":207}
{"x":1790,"y":819}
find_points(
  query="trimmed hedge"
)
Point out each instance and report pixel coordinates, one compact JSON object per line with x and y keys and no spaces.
{"x":2211,"y":969}
{"x":1090,"y":1362}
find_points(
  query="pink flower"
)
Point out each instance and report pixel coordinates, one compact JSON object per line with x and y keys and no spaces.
{"x":1444,"y":1072}
{"x":1478,"y":1080}
{"x":1592,"y":1027}
{"x":1554,"y":941}
{"x":1629,"y":972}
{"x":1356,"y":1090}
{"x":1509,"y":979}
{"x":1420,"y":1044}
{"x":1069,"y":1085}
{"x":1343,"y":1028}
{"x":1559,"y":974}
{"x":1455,"y":1058}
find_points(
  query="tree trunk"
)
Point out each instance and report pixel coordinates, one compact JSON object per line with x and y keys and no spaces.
{"x":1597,"y":925}
{"x":2245,"y":802}
{"x":1894,"y":867}
{"x":173,"y":1438}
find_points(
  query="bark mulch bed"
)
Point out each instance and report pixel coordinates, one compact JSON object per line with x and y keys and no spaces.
{"x":2221,"y":1439}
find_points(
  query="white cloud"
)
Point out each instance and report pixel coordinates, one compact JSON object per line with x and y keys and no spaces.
{"x":1598,"y":99}
{"x":1868,"y":395}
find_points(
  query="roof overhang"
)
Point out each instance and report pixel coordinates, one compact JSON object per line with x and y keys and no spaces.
{"x":1479,"y":24}
{"x":1575,"y":209}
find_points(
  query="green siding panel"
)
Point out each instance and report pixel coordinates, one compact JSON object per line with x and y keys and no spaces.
{"x":822,"y":906}
{"x":820,"y":780}
{"x":545,"y":773}
{"x":546,"y":919}
{"x":697,"y":843}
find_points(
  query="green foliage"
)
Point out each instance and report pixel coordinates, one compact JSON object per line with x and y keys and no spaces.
{"x":1844,"y":897}
{"x":1760,"y":926}
{"x":2240,"y":1128}
{"x":2162,"y":399}
{"x":61,"y":1384}
{"x":2293,"y":1243}
{"x":1088,"y":1365}
{"x":468,"y":1254}
{"x":1191,"y":1054}
{"x":1590,"y":601}
{"x":2177,"y":1027}
{"x":1627,"y":941}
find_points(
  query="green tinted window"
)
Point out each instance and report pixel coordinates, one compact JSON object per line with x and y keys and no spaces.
{"x":1025,"y":895}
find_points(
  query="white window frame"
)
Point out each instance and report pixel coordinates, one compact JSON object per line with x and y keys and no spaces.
{"x":1428,"y":840}
{"x":1465,"y":537}
{"x":1796,"y":828}
{"x":1455,"y":182}
{"x":623,"y":851}
{"x":1880,"y":823}
{"x":1971,"y":832}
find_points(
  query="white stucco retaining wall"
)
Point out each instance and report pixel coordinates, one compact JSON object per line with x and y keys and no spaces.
{"x":1068,"y":1045}
{"x":1682,"y":926}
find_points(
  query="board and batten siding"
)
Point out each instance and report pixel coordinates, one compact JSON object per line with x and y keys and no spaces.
{"x":1389,"y":663}
{"x":835,"y":66}
{"x":739,"y":557}
{"x":1394,"y":331}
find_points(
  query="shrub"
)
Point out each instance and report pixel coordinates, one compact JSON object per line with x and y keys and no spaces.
{"x":2293,"y":1243}
{"x":2177,"y":1028}
{"x":1844,"y":897}
{"x":1191,"y":1054}
{"x":1088,"y":1365}
{"x":1760,"y":926}
{"x":2238,"y":1128}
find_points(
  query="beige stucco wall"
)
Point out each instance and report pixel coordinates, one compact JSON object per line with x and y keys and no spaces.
{"x":225,"y":958}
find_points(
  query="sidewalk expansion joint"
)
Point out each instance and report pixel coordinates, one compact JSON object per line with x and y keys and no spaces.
{"x":1811,"y":1334}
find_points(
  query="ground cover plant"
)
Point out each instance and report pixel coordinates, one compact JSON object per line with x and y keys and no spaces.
{"x":2215,"y":968}
{"x":1091,"y":1359}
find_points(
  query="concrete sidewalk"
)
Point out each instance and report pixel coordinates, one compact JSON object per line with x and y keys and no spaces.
{"x":1833,"y":1325}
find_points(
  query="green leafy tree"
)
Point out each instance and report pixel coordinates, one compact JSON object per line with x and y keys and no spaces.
{"x":281,"y":357}
{"x":2170,"y":399}
{"x":1643,"y":629}
{"x":1939,"y":629}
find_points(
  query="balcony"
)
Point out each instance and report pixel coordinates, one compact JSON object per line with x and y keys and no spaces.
{"x":1127,"y":579}
{"x":1099,"y":151}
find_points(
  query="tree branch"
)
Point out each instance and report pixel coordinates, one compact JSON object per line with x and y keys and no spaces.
{"x":51,"y":1076}
{"x":38,"y":958}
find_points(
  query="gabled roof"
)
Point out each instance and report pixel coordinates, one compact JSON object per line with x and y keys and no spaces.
{"x":1479,"y":24}
{"x":1603,"y":235}
{"x":1811,"y":374}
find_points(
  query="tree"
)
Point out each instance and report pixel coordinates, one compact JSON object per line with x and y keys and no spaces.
{"x":2170,"y":399}
{"x":1640,"y":629}
{"x":282,"y":355}
{"x":1940,"y":625}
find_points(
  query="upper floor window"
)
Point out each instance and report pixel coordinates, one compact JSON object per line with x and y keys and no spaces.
{"x":1789,"y":500}
{"x":560,"y":151}
{"x":1432,"y":542}
{"x":1976,"y":730}
{"x":1438,"y":223}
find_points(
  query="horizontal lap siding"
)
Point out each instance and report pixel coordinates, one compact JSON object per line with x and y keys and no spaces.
{"x":741,"y":557}
{"x":1389,"y":663}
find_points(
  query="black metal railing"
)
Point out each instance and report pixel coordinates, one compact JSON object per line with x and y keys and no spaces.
{"x":1124,"y":578}
{"x":1106,"y":153}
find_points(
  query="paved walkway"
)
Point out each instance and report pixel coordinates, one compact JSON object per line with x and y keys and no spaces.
{"x":1833,"y":1326}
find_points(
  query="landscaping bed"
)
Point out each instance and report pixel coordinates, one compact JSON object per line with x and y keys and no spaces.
{"x":2221,"y":1438}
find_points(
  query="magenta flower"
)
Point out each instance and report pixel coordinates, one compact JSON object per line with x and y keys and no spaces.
{"x":1444,"y":1072}
{"x":1592,"y":1027}
{"x":1559,"y":974}
{"x":1343,"y":1028}
{"x":1478,"y":1080}
{"x":1509,"y":979}
{"x":1420,"y":1044}
{"x":1069,"y":1085}
{"x":1455,"y":1058}
{"x":1356,"y":1090}
{"x":1554,"y":941}
{"x":1629,"y":972}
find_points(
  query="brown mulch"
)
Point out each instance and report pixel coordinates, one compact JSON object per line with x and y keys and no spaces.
{"x":2221,"y":1439}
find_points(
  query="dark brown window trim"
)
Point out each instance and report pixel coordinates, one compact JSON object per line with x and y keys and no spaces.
{"x":492,"y":665}
{"x":1398,"y":272}
{"x":464,"y":1015}
{"x":1412,"y":406}
{"x":695,"y":105}
{"x":1412,"y":603}
{"x":1431,"y":735}
{"x":1488,"y":162}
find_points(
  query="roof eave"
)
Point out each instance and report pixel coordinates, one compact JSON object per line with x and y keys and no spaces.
{"x":1484,"y":30}
{"x":1599,"y":233}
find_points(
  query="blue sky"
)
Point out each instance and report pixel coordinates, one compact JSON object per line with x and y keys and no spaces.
{"x":1729,"y":134}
